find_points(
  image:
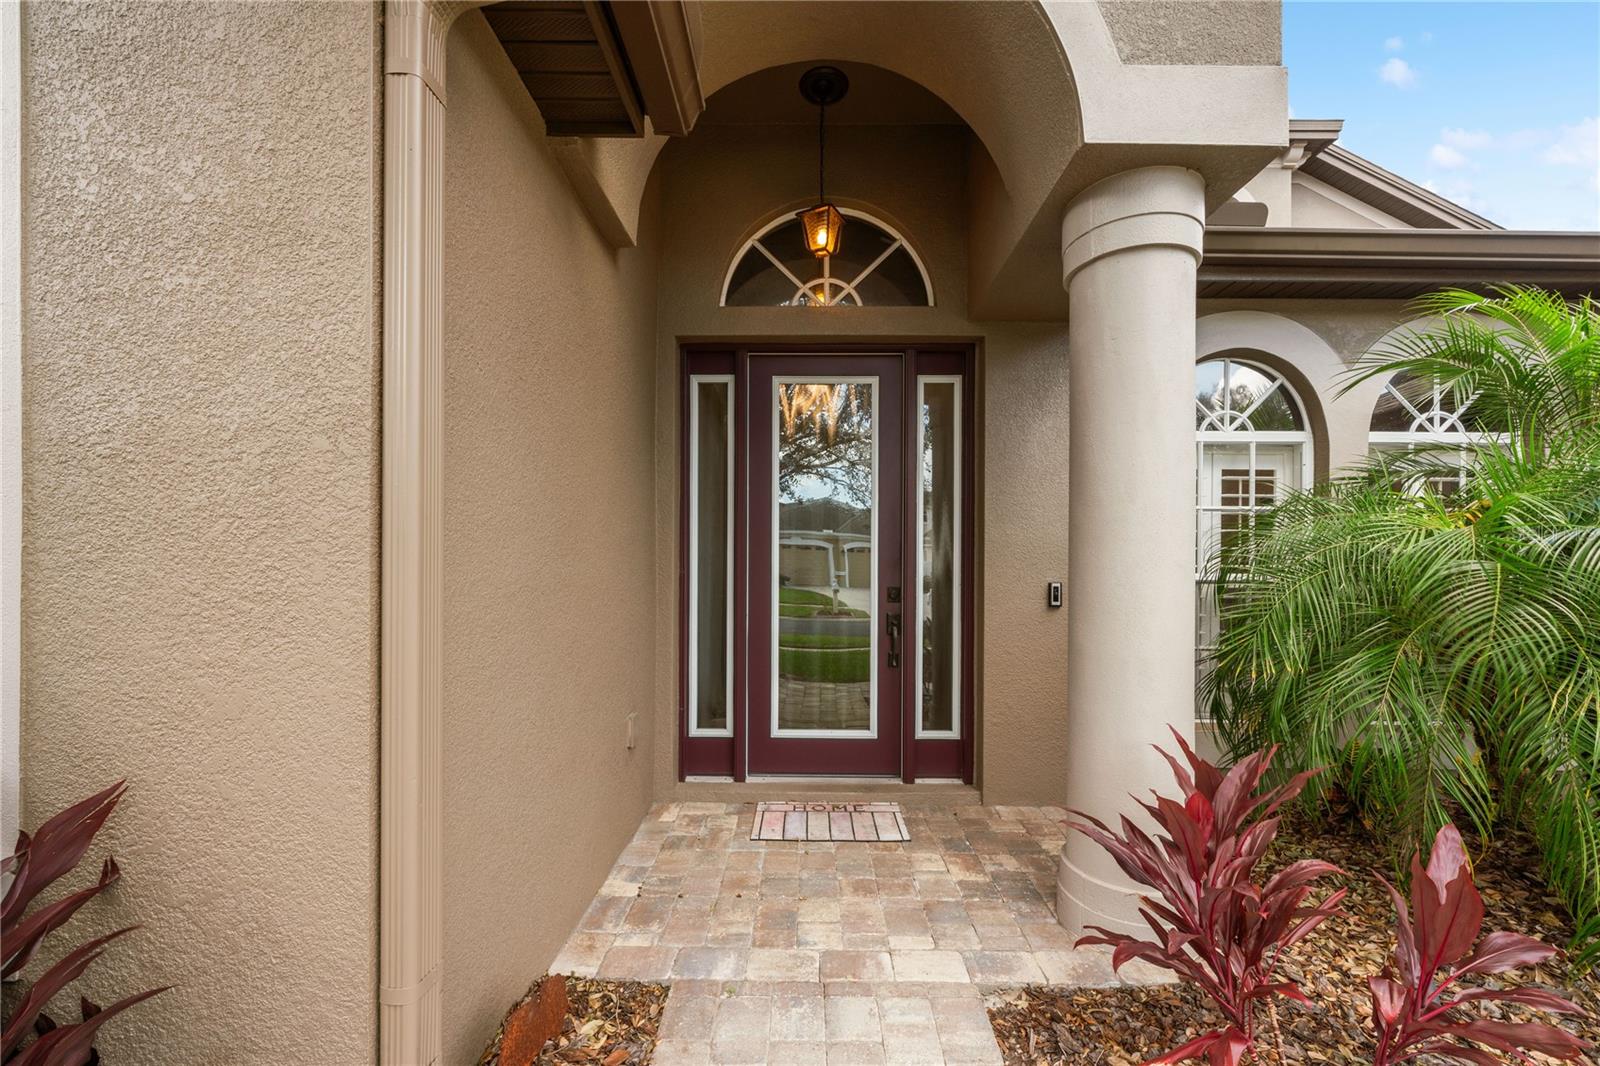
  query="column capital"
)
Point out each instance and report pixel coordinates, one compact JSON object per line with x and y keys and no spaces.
{"x":1161,"y":206}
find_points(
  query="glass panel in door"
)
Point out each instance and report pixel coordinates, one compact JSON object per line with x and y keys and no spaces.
{"x":827,"y":448}
{"x":825,"y":582}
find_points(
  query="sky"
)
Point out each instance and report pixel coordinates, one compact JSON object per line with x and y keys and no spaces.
{"x":1493,"y":105}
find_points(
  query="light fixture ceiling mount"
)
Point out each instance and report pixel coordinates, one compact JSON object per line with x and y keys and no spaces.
{"x":821,"y":224}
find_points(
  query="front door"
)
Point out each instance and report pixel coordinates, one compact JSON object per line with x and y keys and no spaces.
{"x":826,"y":587}
{"x":827,"y":635}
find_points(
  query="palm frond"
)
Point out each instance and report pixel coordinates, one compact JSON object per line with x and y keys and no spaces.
{"x":1441,"y":653}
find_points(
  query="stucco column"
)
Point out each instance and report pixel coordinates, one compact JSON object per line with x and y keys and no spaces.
{"x":1130,"y":246}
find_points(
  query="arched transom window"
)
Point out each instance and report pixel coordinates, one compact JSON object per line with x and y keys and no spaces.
{"x":1235,"y":397}
{"x":1411,"y":406}
{"x":874,"y":266}
{"x":1252,"y":446}
{"x":1421,"y":415}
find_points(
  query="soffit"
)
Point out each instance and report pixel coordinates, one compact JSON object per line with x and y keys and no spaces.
{"x":569,"y":58}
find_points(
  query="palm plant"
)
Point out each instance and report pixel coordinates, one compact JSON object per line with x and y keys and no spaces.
{"x":1441,"y":653}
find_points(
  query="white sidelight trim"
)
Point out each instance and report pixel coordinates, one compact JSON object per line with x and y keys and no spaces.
{"x":957,"y":702}
{"x":695,"y":728}
{"x":10,"y":421}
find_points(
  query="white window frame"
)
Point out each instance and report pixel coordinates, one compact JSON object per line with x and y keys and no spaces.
{"x":847,"y":288}
{"x":695,"y":729}
{"x":871,"y":732}
{"x":1248,"y":439}
{"x":1429,"y":432}
{"x":958,"y":703}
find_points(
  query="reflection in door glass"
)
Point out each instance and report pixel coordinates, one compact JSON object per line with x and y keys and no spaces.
{"x":938,"y":505}
{"x":825,"y":601}
{"x":711,"y":558}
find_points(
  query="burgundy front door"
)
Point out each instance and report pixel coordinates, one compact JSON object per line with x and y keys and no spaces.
{"x":827,"y":645}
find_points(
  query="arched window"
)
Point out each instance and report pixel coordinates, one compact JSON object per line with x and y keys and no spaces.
{"x":1415,"y":414}
{"x":1252,"y":446}
{"x":874,"y":266}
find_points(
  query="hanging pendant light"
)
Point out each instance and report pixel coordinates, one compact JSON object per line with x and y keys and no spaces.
{"x":822,"y":86}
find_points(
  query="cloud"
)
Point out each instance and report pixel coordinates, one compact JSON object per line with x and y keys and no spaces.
{"x":1461,"y":192}
{"x":1393,"y":44}
{"x":1576,"y":145}
{"x":1443,"y":155}
{"x":1465,"y":139}
{"x":1397,"y":72}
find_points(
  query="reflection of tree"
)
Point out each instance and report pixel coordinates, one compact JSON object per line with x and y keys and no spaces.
{"x":825,"y":442}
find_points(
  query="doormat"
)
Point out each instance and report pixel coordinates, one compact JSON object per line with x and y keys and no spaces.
{"x":829,"y":821}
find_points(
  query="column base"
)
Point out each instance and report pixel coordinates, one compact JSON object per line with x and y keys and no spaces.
{"x":1083,"y":900}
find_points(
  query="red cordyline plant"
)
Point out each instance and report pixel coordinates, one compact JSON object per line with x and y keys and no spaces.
{"x":52,"y":852}
{"x":1215,"y":927}
{"x":1416,"y":999}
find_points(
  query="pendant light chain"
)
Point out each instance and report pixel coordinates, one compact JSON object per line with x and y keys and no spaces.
{"x":822,"y":151}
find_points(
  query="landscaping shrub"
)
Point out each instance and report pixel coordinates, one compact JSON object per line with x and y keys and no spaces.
{"x":1439,"y":651}
{"x":38,"y":861}
{"x":1417,"y":999}
{"x":1214,"y":926}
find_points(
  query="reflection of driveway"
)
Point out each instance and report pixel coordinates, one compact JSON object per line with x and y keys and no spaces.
{"x":860,"y":599}
{"x":830,"y":627}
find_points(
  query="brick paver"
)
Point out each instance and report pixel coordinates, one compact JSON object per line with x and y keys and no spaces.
{"x":821,"y":952}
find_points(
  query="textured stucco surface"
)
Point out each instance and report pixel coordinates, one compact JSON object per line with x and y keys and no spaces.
{"x":718,"y":186}
{"x":549,"y":467}
{"x":201,"y":512}
{"x":1199,"y":32}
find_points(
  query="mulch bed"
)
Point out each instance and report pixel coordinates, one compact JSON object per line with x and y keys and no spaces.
{"x":609,"y":1023}
{"x":1127,"y":1026}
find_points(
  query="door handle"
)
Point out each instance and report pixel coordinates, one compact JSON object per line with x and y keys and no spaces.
{"x":893,"y":624}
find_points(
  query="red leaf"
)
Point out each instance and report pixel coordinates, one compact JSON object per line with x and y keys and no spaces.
{"x":57,"y":977}
{"x":23,"y":938}
{"x":1462,"y":1053}
{"x":1523,"y":1036}
{"x":56,"y":848}
{"x":1388,"y":999}
{"x":1224,"y":1048}
{"x":1448,"y":913}
{"x":1287,"y":989}
{"x":70,"y":1044}
{"x":1528,"y":997}
{"x":1499,"y":952}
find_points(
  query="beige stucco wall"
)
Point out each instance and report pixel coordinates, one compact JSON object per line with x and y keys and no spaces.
{"x":200,"y":513}
{"x":548,"y":544}
{"x":718,"y":186}
{"x":1202,"y":32}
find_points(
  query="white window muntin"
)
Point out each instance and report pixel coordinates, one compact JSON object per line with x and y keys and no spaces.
{"x":1231,"y":431}
{"x":871,"y":731}
{"x":957,"y":707}
{"x":695,"y":729}
{"x":836,"y":290}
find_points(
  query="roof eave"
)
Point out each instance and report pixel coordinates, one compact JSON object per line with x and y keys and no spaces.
{"x":1391,"y":263}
